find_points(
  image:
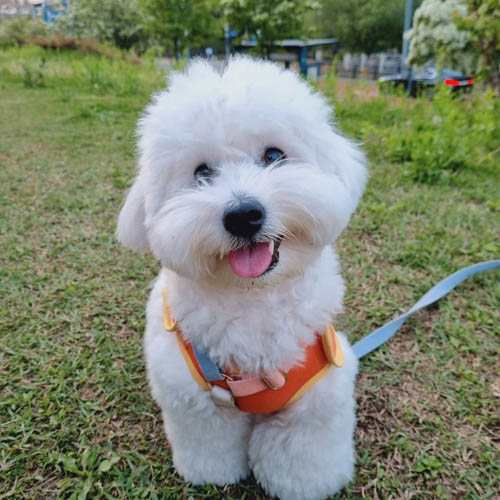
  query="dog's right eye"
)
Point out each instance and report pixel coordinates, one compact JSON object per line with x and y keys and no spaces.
{"x":273,"y":155}
{"x":203,"y":172}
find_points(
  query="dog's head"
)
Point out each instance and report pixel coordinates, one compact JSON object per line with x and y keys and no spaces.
{"x":242,"y":178}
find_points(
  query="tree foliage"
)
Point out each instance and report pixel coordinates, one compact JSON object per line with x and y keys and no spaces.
{"x":435,"y":35}
{"x":179,"y":24}
{"x":119,"y":22}
{"x":363,"y":26}
{"x":464,"y":34}
{"x":269,"y":20}
{"x":482,"y":23}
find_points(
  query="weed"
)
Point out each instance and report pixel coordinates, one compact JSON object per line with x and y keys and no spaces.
{"x":34,"y":76}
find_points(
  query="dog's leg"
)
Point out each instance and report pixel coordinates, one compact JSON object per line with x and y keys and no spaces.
{"x":209,"y":443}
{"x":306,"y":451}
{"x":209,"y":446}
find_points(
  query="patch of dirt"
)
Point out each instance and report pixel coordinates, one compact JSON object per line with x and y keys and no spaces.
{"x":400,"y":420}
{"x":363,"y":90}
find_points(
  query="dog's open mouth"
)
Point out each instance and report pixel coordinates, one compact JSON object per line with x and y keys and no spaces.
{"x":255,"y":260}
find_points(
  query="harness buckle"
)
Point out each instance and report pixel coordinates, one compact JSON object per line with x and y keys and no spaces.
{"x":275,"y":380}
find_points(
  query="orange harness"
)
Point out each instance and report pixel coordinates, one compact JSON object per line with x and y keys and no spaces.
{"x":268,"y":397}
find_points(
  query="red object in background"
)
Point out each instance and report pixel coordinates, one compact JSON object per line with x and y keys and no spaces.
{"x":456,"y":83}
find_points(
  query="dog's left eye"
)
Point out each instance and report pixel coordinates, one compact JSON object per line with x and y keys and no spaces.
{"x":203,"y":172}
{"x":272,"y":155}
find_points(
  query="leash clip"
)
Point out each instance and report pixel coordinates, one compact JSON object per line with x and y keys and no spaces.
{"x":227,"y":377}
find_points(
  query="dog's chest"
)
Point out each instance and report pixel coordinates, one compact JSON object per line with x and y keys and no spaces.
{"x":262,"y":329}
{"x":255,"y":335}
{"x":251,"y":337}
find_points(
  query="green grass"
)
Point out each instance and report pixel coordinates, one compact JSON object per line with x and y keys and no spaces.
{"x":75,"y":412}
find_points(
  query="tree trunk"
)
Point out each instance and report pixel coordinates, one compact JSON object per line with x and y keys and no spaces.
{"x":176,"y":44}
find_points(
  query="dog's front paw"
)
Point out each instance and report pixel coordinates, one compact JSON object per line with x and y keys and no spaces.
{"x":293,"y":464}
{"x":209,"y":445}
{"x":210,"y":468}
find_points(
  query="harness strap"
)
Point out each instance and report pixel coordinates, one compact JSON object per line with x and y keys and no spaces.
{"x":259,"y":394}
{"x":209,"y":369}
{"x":251,"y":385}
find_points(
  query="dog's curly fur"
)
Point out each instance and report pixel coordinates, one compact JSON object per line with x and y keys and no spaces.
{"x":226,"y":120}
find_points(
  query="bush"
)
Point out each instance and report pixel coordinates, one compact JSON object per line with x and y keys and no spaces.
{"x":445,"y":137}
{"x":26,"y":31}
{"x":60,"y":41}
{"x":117,"y":22}
{"x":430,"y":140}
{"x":16,"y":30}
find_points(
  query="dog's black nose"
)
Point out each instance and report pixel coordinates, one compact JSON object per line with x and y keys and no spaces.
{"x":245,"y":218}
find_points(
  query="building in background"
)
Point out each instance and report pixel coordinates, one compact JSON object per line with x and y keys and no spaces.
{"x":46,"y":10}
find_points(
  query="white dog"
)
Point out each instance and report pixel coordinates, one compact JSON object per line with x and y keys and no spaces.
{"x":243,"y":185}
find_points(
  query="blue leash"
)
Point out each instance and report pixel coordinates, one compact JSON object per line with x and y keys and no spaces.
{"x":384,"y":333}
{"x":366,"y":345}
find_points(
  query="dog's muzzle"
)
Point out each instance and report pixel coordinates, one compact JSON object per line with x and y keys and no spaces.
{"x":253,"y":258}
{"x":245,"y":218}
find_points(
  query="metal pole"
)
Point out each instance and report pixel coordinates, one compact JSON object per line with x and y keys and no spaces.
{"x":227,"y":41}
{"x":406,"y":43}
{"x":303,"y":61}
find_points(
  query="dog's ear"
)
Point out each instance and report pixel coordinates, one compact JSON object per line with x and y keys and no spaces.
{"x":351,"y":164}
{"x":131,"y":230}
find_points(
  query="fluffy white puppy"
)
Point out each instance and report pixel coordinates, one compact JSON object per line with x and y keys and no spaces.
{"x":243,"y":185}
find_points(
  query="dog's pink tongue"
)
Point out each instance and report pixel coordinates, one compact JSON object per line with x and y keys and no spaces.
{"x":250,"y":262}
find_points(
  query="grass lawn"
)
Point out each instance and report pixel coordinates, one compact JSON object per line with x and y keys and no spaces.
{"x":76,"y":416}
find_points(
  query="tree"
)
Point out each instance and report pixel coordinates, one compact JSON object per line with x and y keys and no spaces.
{"x":269,"y":20}
{"x":435,"y":35}
{"x":482,"y":23}
{"x":120,"y":22}
{"x":363,"y":26}
{"x":183,"y":23}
